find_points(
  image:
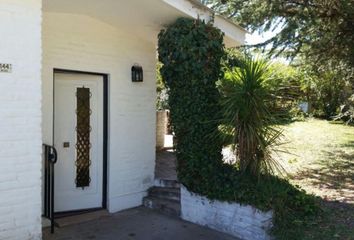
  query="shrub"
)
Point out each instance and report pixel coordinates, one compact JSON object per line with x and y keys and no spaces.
{"x":328,"y":86}
{"x":346,"y":113}
{"x":161,"y":91}
{"x":246,"y":107}
{"x":190,"y":51}
{"x":293,"y":209}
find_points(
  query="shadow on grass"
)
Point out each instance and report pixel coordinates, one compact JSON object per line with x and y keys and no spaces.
{"x":336,"y":221}
{"x":333,"y":179}
{"x":333,"y":175}
{"x":349,"y":144}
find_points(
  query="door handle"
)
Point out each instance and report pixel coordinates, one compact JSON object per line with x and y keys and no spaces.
{"x":66,"y":144}
{"x":51,"y":153}
{"x":54,"y":155}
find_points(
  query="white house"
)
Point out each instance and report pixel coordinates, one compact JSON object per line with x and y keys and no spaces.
{"x":66,"y":81}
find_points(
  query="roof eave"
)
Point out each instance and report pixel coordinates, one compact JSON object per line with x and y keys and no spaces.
{"x":235,"y":34}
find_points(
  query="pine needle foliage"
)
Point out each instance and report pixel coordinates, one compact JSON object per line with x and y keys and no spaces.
{"x":320,"y":29}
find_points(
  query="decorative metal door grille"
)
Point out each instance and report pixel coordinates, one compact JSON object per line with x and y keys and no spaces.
{"x":83,"y":144}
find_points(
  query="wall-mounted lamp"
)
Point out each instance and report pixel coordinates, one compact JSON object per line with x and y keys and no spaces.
{"x":137,"y":73}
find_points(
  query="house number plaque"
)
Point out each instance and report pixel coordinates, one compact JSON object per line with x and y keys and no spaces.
{"x":5,"y":67}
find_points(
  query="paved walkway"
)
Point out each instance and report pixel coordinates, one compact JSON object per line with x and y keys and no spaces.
{"x":135,"y":224}
{"x":166,"y":162}
{"x":165,"y":167}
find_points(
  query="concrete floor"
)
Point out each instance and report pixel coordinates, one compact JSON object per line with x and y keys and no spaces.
{"x":135,"y":224}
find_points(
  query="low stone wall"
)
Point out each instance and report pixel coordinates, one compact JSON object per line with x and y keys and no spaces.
{"x":244,"y":222}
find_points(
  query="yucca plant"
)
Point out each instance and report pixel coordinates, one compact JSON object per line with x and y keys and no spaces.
{"x":247,"y":116}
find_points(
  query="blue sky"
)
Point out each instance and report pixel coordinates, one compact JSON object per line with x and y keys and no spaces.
{"x":256,"y":38}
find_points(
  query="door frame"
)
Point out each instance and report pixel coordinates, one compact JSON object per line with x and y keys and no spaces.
{"x":105,"y":77}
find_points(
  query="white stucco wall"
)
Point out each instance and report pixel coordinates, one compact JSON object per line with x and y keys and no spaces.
{"x":20,"y":118}
{"x":79,"y":42}
{"x":242,"y":221}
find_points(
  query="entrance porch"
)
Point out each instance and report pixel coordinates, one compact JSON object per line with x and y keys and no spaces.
{"x":97,"y":116}
{"x":61,"y":55}
{"x":138,"y":224}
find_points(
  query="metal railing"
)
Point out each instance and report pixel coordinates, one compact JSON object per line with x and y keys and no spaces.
{"x":50,"y":158}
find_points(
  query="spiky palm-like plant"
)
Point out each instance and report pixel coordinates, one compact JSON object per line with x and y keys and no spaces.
{"x":246,"y":111}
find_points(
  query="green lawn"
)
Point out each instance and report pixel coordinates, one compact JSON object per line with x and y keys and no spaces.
{"x":322,"y":163}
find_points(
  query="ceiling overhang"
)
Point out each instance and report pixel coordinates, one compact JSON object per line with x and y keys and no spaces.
{"x":145,"y":18}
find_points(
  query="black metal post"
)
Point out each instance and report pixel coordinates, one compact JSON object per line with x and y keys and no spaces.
{"x":45,"y":181}
{"x":50,"y":159}
{"x":52,"y":200}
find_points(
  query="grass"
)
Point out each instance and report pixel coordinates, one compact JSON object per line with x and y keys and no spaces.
{"x":322,"y":162}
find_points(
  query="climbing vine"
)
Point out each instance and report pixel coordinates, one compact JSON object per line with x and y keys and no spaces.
{"x":191,"y":51}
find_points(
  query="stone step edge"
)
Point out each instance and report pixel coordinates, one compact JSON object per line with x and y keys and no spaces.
{"x":175,"y":199}
{"x":166,"y":183}
{"x":167,"y":206}
{"x":165,"y":190}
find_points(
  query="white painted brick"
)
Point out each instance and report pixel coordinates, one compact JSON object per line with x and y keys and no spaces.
{"x":20,"y":114}
{"x":79,"y":42}
{"x":245,"y":222}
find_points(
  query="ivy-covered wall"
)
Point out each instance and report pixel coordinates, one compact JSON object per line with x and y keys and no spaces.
{"x":191,"y":51}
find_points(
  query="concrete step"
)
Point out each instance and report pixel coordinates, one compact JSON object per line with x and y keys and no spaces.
{"x":167,"y":183}
{"x":169,"y":207}
{"x":173,"y":194}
